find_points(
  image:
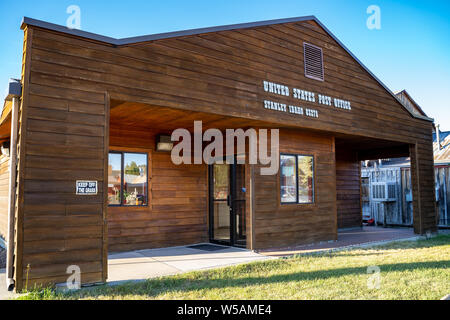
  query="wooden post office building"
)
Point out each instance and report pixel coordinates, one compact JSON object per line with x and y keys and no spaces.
{"x":85,"y":168}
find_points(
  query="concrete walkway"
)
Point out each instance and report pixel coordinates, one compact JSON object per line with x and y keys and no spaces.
{"x":347,"y":238}
{"x":4,"y":293}
{"x":145,"y":264}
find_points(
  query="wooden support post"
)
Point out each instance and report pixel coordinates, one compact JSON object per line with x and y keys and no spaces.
{"x":12,"y":193}
{"x":105,"y":191}
{"x":250,"y":205}
{"x":422,"y":183}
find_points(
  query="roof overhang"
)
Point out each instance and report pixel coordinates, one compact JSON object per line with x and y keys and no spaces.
{"x":14,"y":91}
{"x":5,"y":122}
{"x":134,"y":40}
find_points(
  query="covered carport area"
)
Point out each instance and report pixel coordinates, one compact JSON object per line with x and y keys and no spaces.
{"x":352,"y":150}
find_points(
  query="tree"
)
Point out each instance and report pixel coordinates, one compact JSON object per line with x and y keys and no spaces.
{"x":132,"y":168}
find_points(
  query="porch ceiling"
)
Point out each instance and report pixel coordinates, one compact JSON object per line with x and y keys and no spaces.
{"x":156,"y":118}
{"x":151,"y":118}
{"x":372,"y":149}
{"x":363,"y":143}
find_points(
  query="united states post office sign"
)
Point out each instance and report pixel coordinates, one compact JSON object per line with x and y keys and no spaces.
{"x":87,"y":188}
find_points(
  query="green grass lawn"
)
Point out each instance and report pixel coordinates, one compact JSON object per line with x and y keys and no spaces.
{"x":409,"y":270}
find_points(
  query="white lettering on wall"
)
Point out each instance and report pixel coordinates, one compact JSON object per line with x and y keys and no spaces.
{"x":342,"y":104}
{"x":312,"y":113}
{"x":271,"y":105}
{"x":326,"y":100}
{"x":274,"y":106}
{"x":276,"y":88}
{"x":296,"y":110}
{"x":303,"y":95}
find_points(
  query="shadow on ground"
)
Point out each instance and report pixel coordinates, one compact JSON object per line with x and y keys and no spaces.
{"x":155,"y":287}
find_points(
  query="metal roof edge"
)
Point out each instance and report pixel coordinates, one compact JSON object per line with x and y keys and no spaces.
{"x":132,"y":40}
{"x":158,"y":36}
{"x":63,"y":29}
{"x":191,"y":32}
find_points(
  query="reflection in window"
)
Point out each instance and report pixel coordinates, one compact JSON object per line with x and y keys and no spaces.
{"x":297,"y":179}
{"x":114,"y":178}
{"x":135,"y":179}
{"x":305,"y":179}
{"x":127,"y":179}
{"x":288,"y":179}
{"x":221,"y":178}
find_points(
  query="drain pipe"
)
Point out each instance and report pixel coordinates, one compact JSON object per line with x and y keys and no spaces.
{"x":15,"y":91}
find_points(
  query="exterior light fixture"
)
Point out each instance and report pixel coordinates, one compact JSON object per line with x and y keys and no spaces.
{"x":164,"y":143}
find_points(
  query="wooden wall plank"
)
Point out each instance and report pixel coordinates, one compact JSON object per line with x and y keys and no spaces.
{"x":348,"y":185}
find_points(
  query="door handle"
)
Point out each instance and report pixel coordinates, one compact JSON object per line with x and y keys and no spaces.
{"x":229,"y":201}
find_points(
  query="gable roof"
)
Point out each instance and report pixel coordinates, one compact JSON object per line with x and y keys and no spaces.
{"x":133,"y":40}
{"x":409,"y":102}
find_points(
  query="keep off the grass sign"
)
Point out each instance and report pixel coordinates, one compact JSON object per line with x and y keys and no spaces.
{"x":86,"y":188}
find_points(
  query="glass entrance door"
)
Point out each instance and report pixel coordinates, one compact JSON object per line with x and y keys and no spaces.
{"x":238,"y":191}
{"x":219,"y":222}
{"x":227,"y":204}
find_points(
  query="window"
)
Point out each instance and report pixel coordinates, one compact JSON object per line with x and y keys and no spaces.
{"x":127,"y":179}
{"x":305,"y":179}
{"x":288,"y":179}
{"x":297,"y":179}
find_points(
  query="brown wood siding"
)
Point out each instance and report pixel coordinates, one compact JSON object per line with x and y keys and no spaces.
{"x":4,"y":195}
{"x":425,"y":217}
{"x":281,"y":225}
{"x":226,"y":70}
{"x":21,"y":158}
{"x":177,"y":211}
{"x":61,"y":140}
{"x":63,"y":132}
{"x":348,"y":187}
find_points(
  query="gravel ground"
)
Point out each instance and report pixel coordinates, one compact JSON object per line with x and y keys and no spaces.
{"x":2,"y":258}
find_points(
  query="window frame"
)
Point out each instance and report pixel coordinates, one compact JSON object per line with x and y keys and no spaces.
{"x":122,"y":176}
{"x":296,"y":202}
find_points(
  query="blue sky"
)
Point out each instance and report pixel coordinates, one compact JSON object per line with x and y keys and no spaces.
{"x":411,"y":50}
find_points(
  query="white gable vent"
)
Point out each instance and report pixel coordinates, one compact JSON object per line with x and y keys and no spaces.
{"x":313,"y":62}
